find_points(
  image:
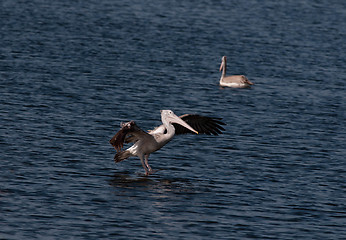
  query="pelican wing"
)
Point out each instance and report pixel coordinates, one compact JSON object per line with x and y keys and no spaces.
{"x":204,"y":125}
{"x":129,"y":132}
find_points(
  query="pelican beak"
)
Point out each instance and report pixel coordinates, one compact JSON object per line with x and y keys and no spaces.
{"x":183,"y":123}
{"x":175,"y":119}
{"x":221,"y":66}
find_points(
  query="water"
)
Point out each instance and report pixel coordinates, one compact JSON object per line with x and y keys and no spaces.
{"x":71,"y":71}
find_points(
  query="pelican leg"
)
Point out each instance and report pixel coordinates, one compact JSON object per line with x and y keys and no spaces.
{"x":146,"y":157}
{"x":144,"y":165}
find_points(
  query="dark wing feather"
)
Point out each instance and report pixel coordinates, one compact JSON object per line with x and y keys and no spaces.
{"x":202,"y":124}
{"x":124,"y":135}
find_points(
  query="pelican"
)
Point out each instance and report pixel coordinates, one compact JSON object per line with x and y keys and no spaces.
{"x":236,"y":81}
{"x":146,"y":143}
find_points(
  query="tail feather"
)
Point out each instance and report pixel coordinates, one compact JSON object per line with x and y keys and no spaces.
{"x":122,"y":156}
{"x":247,"y":80}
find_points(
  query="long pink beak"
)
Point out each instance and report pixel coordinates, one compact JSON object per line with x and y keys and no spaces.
{"x":221,"y":66}
{"x":178,"y":120}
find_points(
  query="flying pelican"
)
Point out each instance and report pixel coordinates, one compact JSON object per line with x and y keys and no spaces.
{"x":146,"y":143}
{"x":236,"y":81}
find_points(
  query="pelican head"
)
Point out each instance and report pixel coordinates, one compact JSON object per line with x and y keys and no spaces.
{"x":169,"y":117}
{"x":223,"y":62}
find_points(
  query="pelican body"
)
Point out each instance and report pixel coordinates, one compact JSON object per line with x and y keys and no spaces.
{"x":235,"y":81}
{"x":146,"y":143}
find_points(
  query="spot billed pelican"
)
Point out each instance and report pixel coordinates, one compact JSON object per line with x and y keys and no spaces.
{"x":236,"y":81}
{"x":146,"y":143}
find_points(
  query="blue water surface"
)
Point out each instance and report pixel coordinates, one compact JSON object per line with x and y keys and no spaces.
{"x":72,"y":71}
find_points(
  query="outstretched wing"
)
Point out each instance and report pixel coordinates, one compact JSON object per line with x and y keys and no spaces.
{"x":129,"y":132}
{"x":202,"y":124}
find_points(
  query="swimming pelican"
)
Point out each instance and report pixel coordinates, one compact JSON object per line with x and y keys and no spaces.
{"x":236,"y":81}
{"x":146,"y":143}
